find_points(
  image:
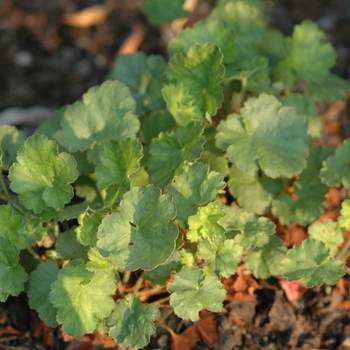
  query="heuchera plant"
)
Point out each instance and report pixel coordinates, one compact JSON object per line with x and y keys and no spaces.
{"x":128,"y":180}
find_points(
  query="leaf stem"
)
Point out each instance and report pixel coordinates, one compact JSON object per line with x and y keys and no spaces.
{"x":139,"y":282}
{"x":344,"y":252}
{"x":126,"y":277}
{"x":2,"y":182}
{"x":34,"y":254}
{"x":120,"y":289}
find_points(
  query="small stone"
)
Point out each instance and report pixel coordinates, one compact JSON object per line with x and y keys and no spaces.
{"x":23,"y":59}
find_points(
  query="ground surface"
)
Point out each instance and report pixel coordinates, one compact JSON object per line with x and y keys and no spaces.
{"x":44,"y":63}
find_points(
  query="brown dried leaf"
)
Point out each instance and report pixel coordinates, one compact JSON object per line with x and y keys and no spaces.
{"x":207,"y":328}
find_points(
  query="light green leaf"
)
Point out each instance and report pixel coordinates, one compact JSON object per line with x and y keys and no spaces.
{"x":222,"y":255}
{"x":332,"y":89}
{"x":132,"y":322}
{"x":40,"y":281}
{"x":83,"y":299}
{"x":11,"y":227}
{"x":10,"y":140}
{"x":264,"y":262}
{"x":118,"y":161}
{"x":205,"y":224}
{"x":158,"y":12}
{"x":41,"y":176}
{"x":195,"y":187}
{"x":68,"y":247}
{"x":308,"y":54}
{"x":192,"y":290}
{"x":344,"y":218}
{"x":305,"y":205}
{"x":88,"y":225}
{"x":262,"y":136}
{"x":143,"y":234}
{"x":104,"y":114}
{"x":307,"y":108}
{"x":195,"y":83}
{"x":247,"y":229}
{"x":202,"y":32}
{"x":168,"y":152}
{"x":329,"y":232}
{"x":312,"y":263}
{"x":253,"y":192}
{"x":336,"y":168}
{"x":12,"y":275}
{"x":145,"y":76}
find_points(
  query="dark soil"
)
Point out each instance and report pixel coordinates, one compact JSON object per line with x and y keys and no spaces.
{"x":47,"y":64}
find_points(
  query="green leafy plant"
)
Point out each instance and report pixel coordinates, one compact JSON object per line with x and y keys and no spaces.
{"x":126,"y":184}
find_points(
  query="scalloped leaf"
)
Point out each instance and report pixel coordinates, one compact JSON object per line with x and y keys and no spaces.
{"x":195,"y":187}
{"x":262,"y":136}
{"x":253,"y":192}
{"x":145,"y":76}
{"x":83,"y":298}
{"x":132,"y":322}
{"x":247,"y":229}
{"x":168,"y":152}
{"x":264,"y":262}
{"x":118,"y":161}
{"x":311,"y":262}
{"x":104,"y":114}
{"x":40,"y":282}
{"x":344,"y":218}
{"x":157,"y":13}
{"x":205,"y":224}
{"x":192,"y":290}
{"x":336,"y":168}
{"x":68,"y":247}
{"x":307,"y":53}
{"x":143,"y":235}
{"x":305,"y":205}
{"x":12,"y":275}
{"x":202,"y":32}
{"x":88,"y":226}
{"x":221,"y":254}
{"x":41,"y":175}
{"x":195,"y":89}
{"x":327,"y":232}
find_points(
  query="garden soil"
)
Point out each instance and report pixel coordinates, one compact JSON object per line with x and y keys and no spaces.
{"x":49,"y":57}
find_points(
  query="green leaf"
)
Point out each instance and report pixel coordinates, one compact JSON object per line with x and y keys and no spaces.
{"x":158,"y":275}
{"x":344,"y":218}
{"x":155,"y":123}
{"x":332,"y":89}
{"x":203,"y":32}
{"x":195,"y":187}
{"x":328,"y":232}
{"x":247,"y":229}
{"x":195,"y":83}
{"x":205,"y":224}
{"x":262,"y":136}
{"x":336,"y":168}
{"x":272,"y":46}
{"x":145,"y":76}
{"x":72,"y":211}
{"x":11,"y":227}
{"x":308,"y":54}
{"x":82,"y":298}
{"x":247,"y":68}
{"x":168,"y":152}
{"x":132,"y":322}
{"x":305,"y":205}
{"x":68,"y":247}
{"x":222,"y":255}
{"x":192,"y":290}
{"x":12,"y":275}
{"x":42,"y":176}
{"x":88,"y":225}
{"x":104,"y":114}
{"x":40,"y":281}
{"x":143,"y":234}
{"x":10,"y":140}
{"x":307,"y":108}
{"x":158,"y":12}
{"x":312,"y":263}
{"x":264,"y":262}
{"x":253,"y":192}
{"x":118,"y":161}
